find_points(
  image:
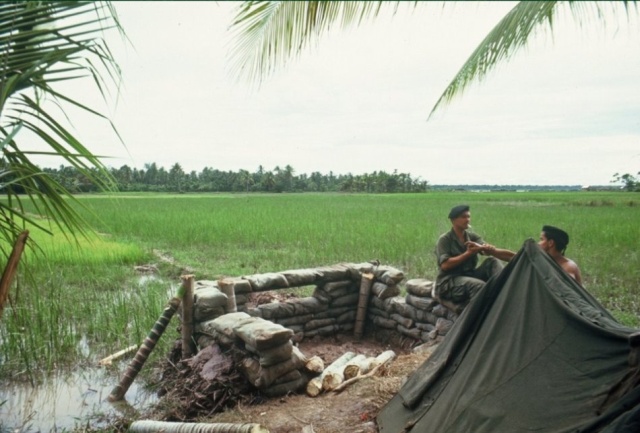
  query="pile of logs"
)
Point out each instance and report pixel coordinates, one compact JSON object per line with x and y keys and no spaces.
{"x":347,"y":369}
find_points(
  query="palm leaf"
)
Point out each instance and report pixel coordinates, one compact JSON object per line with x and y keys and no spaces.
{"x":267,"y":34}
{"x":514,"y":32}
{"x":42,"y":44}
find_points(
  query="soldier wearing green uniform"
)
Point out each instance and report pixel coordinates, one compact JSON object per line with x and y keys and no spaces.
{"x":457,"y":252}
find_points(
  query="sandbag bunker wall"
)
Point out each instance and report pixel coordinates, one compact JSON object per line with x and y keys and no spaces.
{"x":267,"y":332}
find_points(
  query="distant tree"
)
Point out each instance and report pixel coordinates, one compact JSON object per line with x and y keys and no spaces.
{"x":630,"y":183}
{"x":245,"y":180}
{"x":176,"y":177}
{"x":269,"y":181}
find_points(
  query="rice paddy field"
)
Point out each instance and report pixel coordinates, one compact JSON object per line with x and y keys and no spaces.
{"x":76,"y":302}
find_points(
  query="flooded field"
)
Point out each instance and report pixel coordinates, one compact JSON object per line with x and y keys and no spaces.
{"x":65,"y":402}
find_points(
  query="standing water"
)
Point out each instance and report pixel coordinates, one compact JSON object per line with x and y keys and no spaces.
{"x":65,"y":402}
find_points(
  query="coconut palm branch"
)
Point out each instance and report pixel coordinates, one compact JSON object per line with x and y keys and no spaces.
{"x":42,"y":44}
{"x":515,"y":31}
{"x":267,"y":34}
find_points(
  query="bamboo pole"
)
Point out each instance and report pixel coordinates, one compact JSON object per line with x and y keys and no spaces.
{"x":187,"y":316}
{"x":10,"y":269}
{"x":146,"y":348}
{"x":109,"y":359}
{"x":148,"y":426}
{"x":365,"y":289}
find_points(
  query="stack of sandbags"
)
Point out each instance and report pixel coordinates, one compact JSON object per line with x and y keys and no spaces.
{"x":386,"y":283}
{"x":341,"y":298}
{"x":269,"y":360}
{"x":297,"y":314}
{"x":417,"y":315}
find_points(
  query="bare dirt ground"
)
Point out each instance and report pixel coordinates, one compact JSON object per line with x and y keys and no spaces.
{"x":228,"y":397}
{"x":352,"y":410}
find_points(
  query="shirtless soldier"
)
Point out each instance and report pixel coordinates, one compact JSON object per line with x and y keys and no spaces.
{"x":554,"y":241}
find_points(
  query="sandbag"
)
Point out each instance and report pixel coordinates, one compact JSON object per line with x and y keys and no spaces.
{"x":419,"y":287}
{"x":350,"y":299}
{"x":318,"y":323}
{"x":301,"y":277}
{"x":290,"y":308}
{"x":421,"y":303}
{"x":388,"y":275}
{"x":384,"y":291}
{"x":263,"y":334}
{"x":275,"y":355}
{"x":208,"y":303}
{"x":404,"y":321}
{"x":335,"y":273}
{"x":268,"y":281}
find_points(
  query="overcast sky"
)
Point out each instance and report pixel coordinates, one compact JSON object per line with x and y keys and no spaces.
{"x":564,"y":111}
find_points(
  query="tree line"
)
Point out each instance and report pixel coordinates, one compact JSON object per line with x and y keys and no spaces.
{"x":280,"y":179}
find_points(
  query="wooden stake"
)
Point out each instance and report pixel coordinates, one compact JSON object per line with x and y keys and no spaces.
{"x":10,"y":269}
{"x":228,"y":287}
{"x":361,"y":313}
{"x":187,"y":317}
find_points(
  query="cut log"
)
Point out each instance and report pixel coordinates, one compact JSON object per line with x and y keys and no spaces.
{"x":356,"y":366}
{"x":383,"y":358}
{"x":333,"y":375}
{"x":314,"y":387}
{"x":147,"y":426}
{"x":315,"y":364}
{"x":379,"y":362}
{"x":363,"y":300}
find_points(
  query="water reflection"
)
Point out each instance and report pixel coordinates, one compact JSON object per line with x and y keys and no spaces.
{"x":67,"y":401}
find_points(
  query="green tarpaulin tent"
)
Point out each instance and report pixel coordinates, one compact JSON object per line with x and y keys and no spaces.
{"x":533,"y":352}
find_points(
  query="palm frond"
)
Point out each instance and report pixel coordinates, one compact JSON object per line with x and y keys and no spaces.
{"x":267,"y":34}
{"x":42,"y":44}
{"x":514,"y":32}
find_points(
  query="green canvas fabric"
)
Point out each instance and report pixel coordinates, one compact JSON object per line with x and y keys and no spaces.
{"x":532,"y":352}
